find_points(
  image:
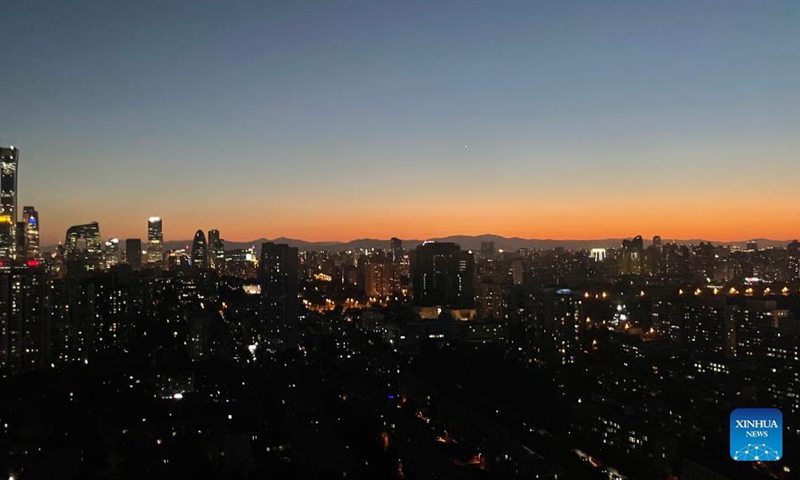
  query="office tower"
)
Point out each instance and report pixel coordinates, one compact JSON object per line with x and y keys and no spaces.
{"x":83,"y":247}
{"x":488,"y":249}
{"x":278,"y":275}
{"x":155,"y":241}
{"x":199,"y":250}
{"x":83,"y":239}
{"x":30,"y":218}
{"x":133,"y":253}
{"x":9,"y":161}
{"x":24,"y":332}
{"x":443,"y":275}
{"x":632,"y":256}
{"x":216,"y":250}
{"x":111,"y":253}
{"x":752,"y":246}
{"x":396,"y":246}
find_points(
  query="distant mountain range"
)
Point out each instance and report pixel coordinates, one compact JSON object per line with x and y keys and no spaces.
{"x":472,"y":242}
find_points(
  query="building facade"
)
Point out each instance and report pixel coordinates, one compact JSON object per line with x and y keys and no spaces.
{"x":9,"y":163}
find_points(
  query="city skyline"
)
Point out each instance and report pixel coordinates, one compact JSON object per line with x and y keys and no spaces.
{"x":528,"y":119}
{"x":400,"y":240}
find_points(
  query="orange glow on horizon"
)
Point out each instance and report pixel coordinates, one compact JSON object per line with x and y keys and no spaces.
{"x":566,"y":222}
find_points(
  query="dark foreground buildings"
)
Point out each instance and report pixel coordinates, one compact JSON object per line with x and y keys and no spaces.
{"x":617,"y":363}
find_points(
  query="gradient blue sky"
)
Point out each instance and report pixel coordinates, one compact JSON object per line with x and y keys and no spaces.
{"x":345,"y":119}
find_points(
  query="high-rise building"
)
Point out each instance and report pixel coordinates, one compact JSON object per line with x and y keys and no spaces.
{"x":179,"y":258}
{"x":552,"y":324}
{"x":241,"y":262}
{"x":30,"y":218}
{"x":133,"y":253}
{"x":490,"y":300}
{"x":396,"y":246}
{"x":24,"y":332}
{"x":443,"y":275}
{"x":632,"y":258}
{"x":278,"y":275}
{"x":155,"y":241}
{"x":657,"y":241}
{"x":517,"y":272}
{"x":9,"y":161}
{"x":83,"y":238}
{"x":199,"y":250}
{"x":83,"y":247}
{"x":216,"y":250}
{"x":381,"y":279}
{"x":752,"y":246}
{"x":19,"y":235}
{"x":793,"y":254}
{"x":111,"y":253}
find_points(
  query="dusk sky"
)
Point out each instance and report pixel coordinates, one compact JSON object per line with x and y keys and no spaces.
{"x":346,"y":119}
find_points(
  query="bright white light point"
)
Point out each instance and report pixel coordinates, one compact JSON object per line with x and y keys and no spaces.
{"x":252,"y":348}
{"x":178,"y":396}
{"x":230,"y":417}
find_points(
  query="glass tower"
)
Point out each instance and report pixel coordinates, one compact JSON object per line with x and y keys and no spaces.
{"x":9,"y":162}
{"x":155,"y":241}
{"x":30,"y":220}
{"x":199,"y":251}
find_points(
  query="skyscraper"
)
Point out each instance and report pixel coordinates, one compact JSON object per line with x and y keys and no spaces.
{"x":631,"y":260}
{"x":396,"y":246}
{"x":83,"y":247}
{"x":111,"y":254}
{"x":199,"y":250}
{"x":30,"y":218}
{"x":155,"y":241}
{"x":9,"y":161}
{"x":216,"y":250}
{"x":133,"y":253}
{"x":89,"y":233}
{"x":443,"y":275}
{"x":278,"y":275}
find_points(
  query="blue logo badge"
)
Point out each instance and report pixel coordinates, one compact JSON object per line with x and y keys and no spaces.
{"x":756,"y":434}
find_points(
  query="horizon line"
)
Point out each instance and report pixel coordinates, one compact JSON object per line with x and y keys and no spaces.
{"x":526,"y":239}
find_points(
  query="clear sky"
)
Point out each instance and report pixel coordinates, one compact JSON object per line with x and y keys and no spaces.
{"x":335,"y":120}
